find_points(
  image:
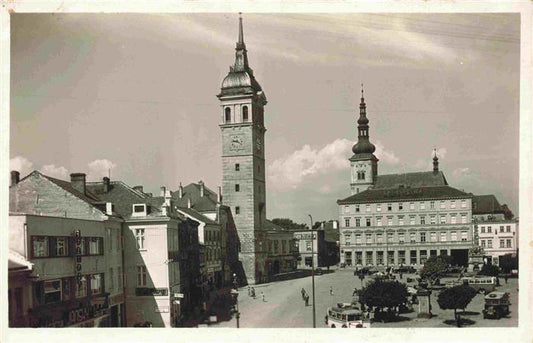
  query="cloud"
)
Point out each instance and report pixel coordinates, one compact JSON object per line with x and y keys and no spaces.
{"x":57,"y":172}
{"x":20,"y":164}
{"x":99,"y":169}
{"x":305,"y":163}
{"x":441,"y":153}
{"x":462,"y":173}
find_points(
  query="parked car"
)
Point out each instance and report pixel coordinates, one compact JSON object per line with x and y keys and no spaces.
{"x":405,"y":269}
{"x":319,"y":271}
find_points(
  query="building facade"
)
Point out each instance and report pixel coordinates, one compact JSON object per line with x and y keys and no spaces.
{"x":400,"y":219}
{"x":242,"y":104}
{"x":282,"y":251}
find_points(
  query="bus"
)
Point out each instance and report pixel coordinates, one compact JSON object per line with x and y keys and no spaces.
{"x":346,"y":316}
{"x":482,"y":285}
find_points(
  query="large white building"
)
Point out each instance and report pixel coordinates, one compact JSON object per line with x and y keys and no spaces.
{"x":400,"y":219}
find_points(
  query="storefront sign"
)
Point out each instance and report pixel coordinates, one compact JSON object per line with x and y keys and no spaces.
{"x":78,"y":253}
{"x":142,"y":291}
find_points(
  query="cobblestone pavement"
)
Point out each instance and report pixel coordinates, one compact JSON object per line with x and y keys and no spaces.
{"x":284,"y":308}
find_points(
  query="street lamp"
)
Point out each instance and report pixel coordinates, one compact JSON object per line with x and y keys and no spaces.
{"x":313,"y":269}
{"x":235,"y":295}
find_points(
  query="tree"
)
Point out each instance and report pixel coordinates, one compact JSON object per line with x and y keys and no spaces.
{"x":435,"y":267}
{"x":508,"y":262}
{"x":289,"y":224}
{"x":456,"y":297}
{"x":507,"y":213}
{"x":381,"y":294}
{"x":489,"y":270}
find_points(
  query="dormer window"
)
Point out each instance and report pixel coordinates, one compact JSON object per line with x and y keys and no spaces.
{"x":139,"y":210}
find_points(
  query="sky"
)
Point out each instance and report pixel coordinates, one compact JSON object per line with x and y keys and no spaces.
{"x":134,"y":95}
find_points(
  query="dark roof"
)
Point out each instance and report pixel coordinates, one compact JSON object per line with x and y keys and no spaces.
{"x":207,"y":203}
{"x":419,"y":179}
{"x":121,"y":195}
{"x":486,"y":204}
{"x":88,"y":196}
{"x":197,"y":215}
{"x":383,"y":195}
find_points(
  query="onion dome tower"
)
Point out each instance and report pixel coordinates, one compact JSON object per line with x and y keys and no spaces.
{"x":363,"y":164}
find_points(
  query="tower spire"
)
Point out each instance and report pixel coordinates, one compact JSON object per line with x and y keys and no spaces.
{"x":363,"y":145}
{"x":241,"y":34}
{"x":435,"y":161}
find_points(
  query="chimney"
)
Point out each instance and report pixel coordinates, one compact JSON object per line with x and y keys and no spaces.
{"x":335,"y":223}
{"x":77,"y":180}
{"x":108,"y":207}
{"x":15,"y":177}
{"x":189,"y":203}
{"x":138,"y":188}
{"x":163,"y":191}
{"x":219,"y":195}
{"x":106,"y":184}
{"x":180,"y":191}
{"x":164,"y":210}
{"x":201,"y":183}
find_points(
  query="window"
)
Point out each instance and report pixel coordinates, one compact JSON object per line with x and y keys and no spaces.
{"x":463,"y":203}
{"x":389,"y":207}
{"x":442,"y":204}
{"x":380,"y":257}
{"x":368,"y":208}
{"x":237,"y":210}
{"x":141,"y":276}
{"x":308,"y":246}
{"x":432,"y":204}
{"x":489,"y":243}
{"x":237,"y":167}
{"x":508,"y":228}
{"x":357,"y":239}
{"x":379,"y":238}
{"x":227,"y":115}
{"x":412,"y":237}
{"x":400,"y":220}
{"x":401,"y":238}
{"x":423,"y":256}
{"x":378,"y":207}
{"x":357,"y":221}
{"x":358,"y":257}
{"x":443,"y":219}
{"x":139,"y":208}
{"x":62,"y":246}
{"x":452,"y":204}
{"x":111,"y":279}
{"x":501,"y":228}
{"x":245,"y":113}
{"x":346,"y":209}
{"x":356,"y":208}
{"x":40,"y":246}
{"x":483,"y":244}
{"x":237,"y":187}
{"x":81,"y":287}
{"x":422,"y":205}
{"x":411,"y":205}
{"x":400,"y":206}
{"x":443,"y":236}
{"x":390,"y":237}
{"x":482,"y":229}
{"x":463,"y":218}
{"x":52,"y":291}
{"x":119,"y":277}
{"x":489,"y":229}
{"x":454,"y":236}
{"x":108,"y":238}
{"x":96,"y":245}
{"x":389,"y":221}
{"x":347,"y":222}
{"x":139,"y":238}
{"x":401,"y":257}
{"x":379,"y":222}
{"x":422,"y":220}
{"x":413,"y":257}
{"x":509,"y":243}
{"x":464,"y":236}
{"x":97,"y":283}
{"x":369,"y":258}
{"x":422,"y":236}
{"x":367,"y":221}
{"x":502,"y":243}
{"x":368,"y":238}
{"x":433,"y":237}
{"x":454,"y":219}
{"x":348,"y":240}
{"x":411,"y":220}
{"x":433,"y":220}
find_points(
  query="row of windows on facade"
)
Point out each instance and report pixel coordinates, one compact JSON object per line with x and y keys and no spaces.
{"x":422,"y":237}
{"x":273,"y":246}
{"x":238,"y":167}
{"x":390,"y":257}
{"x":412,"y":220}
{"x":65,"y":289}
{"x":489,"y":229}
{"x":227,"y":114}
{"x":400,"y":206}
{"x":504,"y":243}
{"x":65,"y":246}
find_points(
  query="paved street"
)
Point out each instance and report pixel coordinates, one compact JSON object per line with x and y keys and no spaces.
{"x":284,"y":308}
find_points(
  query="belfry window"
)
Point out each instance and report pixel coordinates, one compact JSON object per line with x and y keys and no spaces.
{"x":245,"y":113}
{"x":227,"y":116}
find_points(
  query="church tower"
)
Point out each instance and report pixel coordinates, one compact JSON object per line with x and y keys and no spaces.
{"x":363,"y":164}
{"x":242,"y":104}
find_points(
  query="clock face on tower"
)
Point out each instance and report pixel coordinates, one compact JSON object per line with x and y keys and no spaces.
{"x":236,"y":143}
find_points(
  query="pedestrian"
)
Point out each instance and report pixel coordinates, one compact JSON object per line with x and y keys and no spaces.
{"x":303,"y":293}
{"x":401,"y":275}
{"x":354,"y":291}
{"x":249,"y":291}
{"x":263,"y":296}
{"x":253,"y":292}
{"x":306,"y":300}
{"x":506,"y":277}
{"x":330,"y":290}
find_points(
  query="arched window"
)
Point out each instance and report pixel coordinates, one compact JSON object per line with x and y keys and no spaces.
{"x":227,"y":118}
{"x":362,"y":175}
{"x":245,"y":113}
